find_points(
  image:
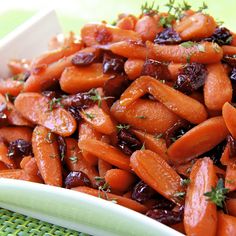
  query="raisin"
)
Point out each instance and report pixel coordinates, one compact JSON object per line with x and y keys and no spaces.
{"x":176,"y":131}
{"x":19,"y":148}
{"x":113,"y":63}
{"x":233,"y":82}
{"x":233,"y":75}
{"x":142,"y":192}
{"x":166,"y":217}
{"x":230,"y":60}
{"x":191,"y":78}
{"x":167,"y":36}
{"x":75,"y":113}
{"x":221,"y":36}
{"x":156,"y":69}
{"x":26,"y":75}
{"x":77,"y":178}
{"x":84,"y":58}
{"x":62,"y":146}
{"x":232,"y":145}
{"x":103,"y":36}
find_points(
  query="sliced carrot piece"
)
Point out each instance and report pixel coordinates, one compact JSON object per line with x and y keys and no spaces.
{"x":46,"y":152}
{"x":29,"y":164}
{"x":133,"y":68}
{"x":226,"y":225}
{"x":127,"y":22}
{"x":184,"y":169}
{"x":35,"y":107}
{"x":225,"y":156}
{"x":229,"y":50}
{"x":76,"y":162}
{"x":155,"y":171}
{"x":4,"y":157}
{"x":230,"y":177}
{"x":13,"y":133}
{"x":200,"y":215}
{"x":12,"y":174}
{"x":231,"y":206}
{"x":174,"y":69}
{"x":18,"y":66}
{"x":103,"y":167}
{"x":198,"y":140}
{"x":119,"y":180}
{"x":214,"y":95}
{"x":146,"y":115}
{"x":123,"y":201}
{"x":10,"y":86}
{"x":181,"y":104}
{"x":229,"y":115}
{"x":98,"y":119}
{"x":94,"y":33}
{"x":106,"y":152}
{"x":14,"y":117}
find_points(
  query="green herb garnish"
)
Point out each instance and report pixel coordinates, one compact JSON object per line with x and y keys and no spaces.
{"x":147,"y":9}
{"x":73,"y":159}
{"x":55,"y":102}
{"x":158,"y":136}
{"x":121,"y":126}
{"x":49,"y":137}
{"x":96,"y":97}
{"x":185,"y":182}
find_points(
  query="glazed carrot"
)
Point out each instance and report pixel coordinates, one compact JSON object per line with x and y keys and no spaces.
{"x":214,"y":95}
{"x":14,"y":117}
{"x":147,"y":115}
{"x":198,"y":96}
{"x":13,"y":133}
{"x":229,"y":115}
{"x":18,"y":66}
{"x":226,"y":225}
{"x":75,"y":161}
{"x":98,"y":119}
{"x":94,"y":33}
{"x":29,"y":165}
{"x":133,"y":68}
{"x":12,"y":174}
{"x":80,"y":79}
{"x":225,"y":156}
{"x":106,"y":152}
{"x":36,"y":108}
{"x":200,"y":215}
{"x":198,"y":140}
{"x":205,"y":52}
{"x":103,"y":167}
{"x":46,"y":76}
{"x":154,"y":143}
{"x":229,"y":50}
{"x":46,"y":153}
{"x":87,"y":131}
{"x":196,"y":26}
{"x":127,"y":22}
{"x":3,"y":166}
{"x":181,"y":104}
{"x":147,"y":27}
{"x":155,"y":171}
{"x":9,"y":162}
{"x":10,"y":86}
{"x":119,"y":180}
{"x":230,"y":177}
{"x":174,"y":69}
{"x":231,"y":206}
{"x":123,"y":201}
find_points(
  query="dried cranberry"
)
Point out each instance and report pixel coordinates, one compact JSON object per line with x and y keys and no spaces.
{"x":232,"y":145}
{"x":233,"y":74}
{"x":62,"y":146}
{"x":26,"y":75}
{"x":128,"y":142}
{"x":3,"y":114}
{"x":113,"y":63}
{"x":142,"y":192}
{"x":156,"y":69}
{"x":191,"y":78}
{"x":19,"y":148}
{"x":163,"y":203}
{"x":167,"y":36}
{"x":77,"y":178}
{"x":103,"y":35}
{"x":166,"y":217}
{"x":230,"y":60}
{"x":84,"y":58}
{"x":221,"y":36}
{"x":75,"y":113}
{"x":176,"y":131}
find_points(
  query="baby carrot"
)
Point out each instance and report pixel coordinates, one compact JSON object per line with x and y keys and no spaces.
{"x":200,"y":215}
{"x":230,"y":176}
{"x":133,"y":68}
{"x":13,"y":133}
{"x":46,"y":152}
{"x":231,"y":206}
{"x":10,"y":86}
{"x":226,"y":225}
{"x":229,"y":50}
{"x":103,"y":167}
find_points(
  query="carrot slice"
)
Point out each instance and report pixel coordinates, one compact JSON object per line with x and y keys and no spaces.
{"x":14,"y":117}
{"x":230,"y":177}
{"x":181,"y":104}
{"x":103,"y":167}
{"x":46,"y":152}
{"x":225,"y":156}
{"x":13,"y":133}
{"x":10,"y":86}
{"x":231,"y":206}
{"x":98,"y":119}
{"x":76,"y":162}
{"x":123,"y":201}
{"x":35,"y":108}
{"x":4,"y":157}
{"x":146,"y":115}
{"x":105,"y":152}
{"x":119,"y":180}
{"x":229,"y":50}
{"x":80,"y":79}
{"x":198,"y":140}
{"x":200,"y":215}
{"x":214,"y":95}
{"x":94,"y":33}
{"x":229,"y":115}
{"x":226,"y":225}
{"x":133,"y":68}
{"x":174,"y":70}
{"x":155,"y":171}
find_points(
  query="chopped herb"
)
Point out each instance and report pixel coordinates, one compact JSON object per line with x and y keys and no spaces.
{"x":96,"y":97}
{"x":55,"y":102}
{"x":37,"y":132}
{"x":166,"y":21}
{"x":99,"y":179}
{"x":188,"y":58}
{"x":8,"y":97}
{"x":217,"y":194}
{"x":203,"y":7}
{"x":219,"y":22}
{"x":149,"y":9}
{"x":228,"y":40}
{"x":158,"y":136}
{"x":170,"y":5}
{"x":105,"y":188}
{"x":201,"y":48}
{"x":216,"y":47}
{"x":188,"y":44}
{"x":141,"y":117}
{"x":185,"y":182}
{"x":73,"y":159}
{"x":89,"y":115}
{"x":179,"y":195}
{"x":162,"y":81}
{"x":143,"y":147}
{"x":15,"y":77}
{"x":49,"y":137}
{"x":120,"y":127}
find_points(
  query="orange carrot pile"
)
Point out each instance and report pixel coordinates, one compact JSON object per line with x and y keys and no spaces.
{"x":140,"y":113}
